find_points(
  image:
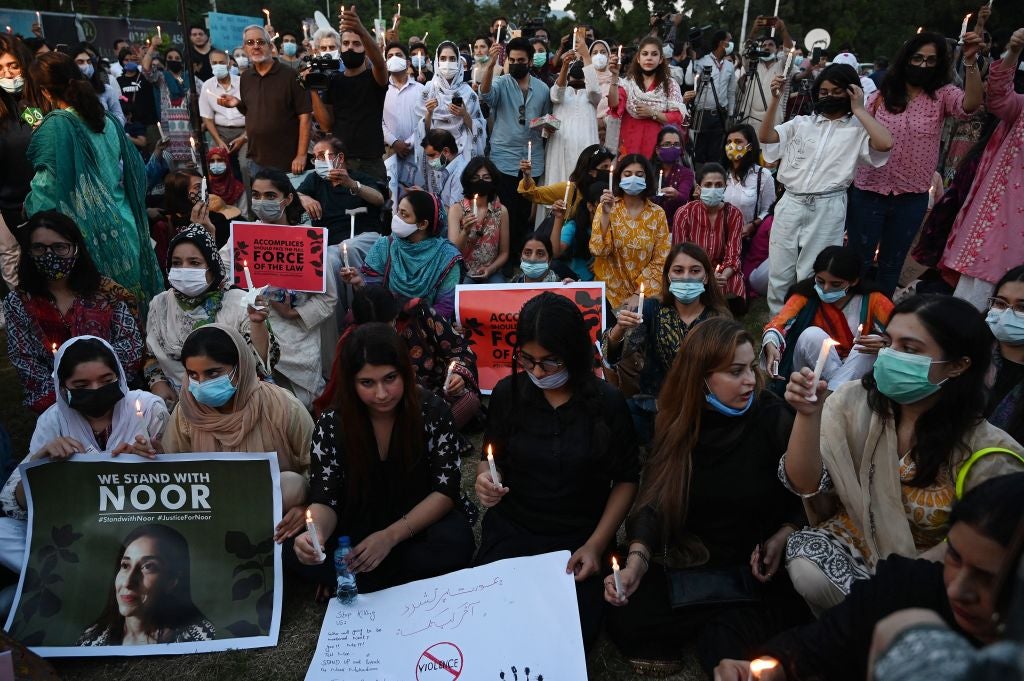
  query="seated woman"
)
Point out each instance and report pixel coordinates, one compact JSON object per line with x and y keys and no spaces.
{"x":565,"y":452}
{"x":676,"y":179}
{"x":711,"y":510}
{"x":184,"y":207}
{"x":650,"y":340}
{"x":385,"y":473}
{"x":162,"y":610}
{"x":223,"y":183}
{"x":592,"y":168}
{"x":199,"y":296}
{"x":60,"y":295}
{"x":835,"y":304}
{"x":225,"y":407}
{"x":908,"y":429}
{"x":1006,"y":320}
{"x":415,"y":261}
{"x":444,"y":362}
{"x":478,"y":225}
{"x":536,"y":264}
{"x":571,"y":235}
{"x":715,"y":226}
{"x":95,"y":412}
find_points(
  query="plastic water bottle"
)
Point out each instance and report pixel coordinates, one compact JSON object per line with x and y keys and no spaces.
{"x":347,"y":589}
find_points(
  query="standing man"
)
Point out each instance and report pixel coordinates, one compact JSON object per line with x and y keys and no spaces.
{"x":515,"y":99}
{"x":757,"y":91}
{"x":201,"y":49}
{"x":352,"y":107}
{"x":225,"y":124}
{"x":403,"y":110}
{"x":275,"y":106}
{"x":717,"y":99}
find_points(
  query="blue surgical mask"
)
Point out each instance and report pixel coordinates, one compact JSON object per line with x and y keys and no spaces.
{"x":218,"y":167}
{"x":723,"y":408}
{"x":633,"y":185}
{"x":903,"y":377}
{"x":1007,"y":326}
{"x":289,"y":49}
{"x":552,"y":381}
{"x":534,"y":269}
{"x":418,"y":61}
{"x":220,"y":71}
{"x":712,"y":196}
{"x":213,"y":393}
{"x":87,"y":70}
{"x":322,"y":168}
{"x":829,"y":296}
{"x":686,"y":291}
{"x":798,"y":61}
{"x":729,"y":47}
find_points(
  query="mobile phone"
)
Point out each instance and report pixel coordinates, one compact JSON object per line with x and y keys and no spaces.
{"x":816,"y":56}
{"x":457,"y":100}
{"x":771,"y":22}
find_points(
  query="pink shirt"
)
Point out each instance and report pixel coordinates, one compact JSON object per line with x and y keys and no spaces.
{"x":916,"y":135}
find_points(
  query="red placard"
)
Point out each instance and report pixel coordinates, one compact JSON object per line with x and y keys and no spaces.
{"x":489,"y":314}
{"x":280,"y":256}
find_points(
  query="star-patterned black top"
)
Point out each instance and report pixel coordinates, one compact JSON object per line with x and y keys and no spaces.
{"x":392,"y":492}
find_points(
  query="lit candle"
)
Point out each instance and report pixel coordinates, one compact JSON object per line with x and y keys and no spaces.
{"x":661,"y":177}
{"x":425,"y":37}
{"x":314,"y":535}
{"x":931,"y":196}
{"x":761,"y":665}
{"x":53,"y":348}
{"x":568,"y":186}
{"x":267,"y":12}
{"x":344,"y":254}
{"x":495,"y":478}
{"x":620,"y":55}
{"x":860,"y":330}
{"x":611,"y":178}
{"x":138,"y":408}
{"x":640,"y":305}
{"x":789,"y":60}
{"x":920,"y":28}
{"x":398,"y":15}
{"x":617,"y":577}
{"x":159,"y":35}
{"x":963,"y":28}
{"x":248,"y":275}
{"x":529,"y":151}
{"x":448,"y":378}
{"x":39,"y":20}
{"x":476,"y":206}
{"x":10,"y":30}
{"x":819,"y":366}
{"x":160,"y":130}
{"x":192,"y":144}
{"x":305,"y":31}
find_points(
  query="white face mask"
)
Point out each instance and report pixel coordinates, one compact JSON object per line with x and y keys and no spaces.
{"x":397,"y":64}
{"x":12,"y":85}
{"x":401,"y":228}
{"x":448,"y":69}
{"x":267,"y":210}
{"x":667,"y":51}
{"x":333,"y":54}
{"x":322,"y":168}
{"x":220,"y":71}
{"x":600,"y":61}
{"x":243,"y":62}
{"x":189,"y":281}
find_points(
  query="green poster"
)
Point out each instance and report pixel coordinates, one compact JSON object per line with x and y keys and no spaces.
{"x":131,"y":556}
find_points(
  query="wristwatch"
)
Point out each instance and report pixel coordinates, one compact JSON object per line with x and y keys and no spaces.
{"x":359,"y":188}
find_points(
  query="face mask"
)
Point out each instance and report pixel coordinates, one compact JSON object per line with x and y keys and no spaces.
{"x":918,"y":75}
{"x":175,"y":66}
{"x":401,"y":228}
{"x":729,"y":48}
{"x":352,"y":59}
{"x":723,"y":408}
{"x":87,"y":70}
{"x":481,"y":187}
{"x":54,"y":267}
{"x":666,"y":51}
{"x":448,"y":69}
{"x":333,"y":54}
{"x":95,"y":402}
{"x":540,"y":59}
{"x":218,"y":167}
{"x":534,"y":269}
{"x":1006,"y":326}
{"x":519,"y":71}
{"x":832,"y":105}
{"x":903,"y":377}
{"x":418,"y":61}
{"x":481,"y":59}
{"x":712,"y":196}
{"x":322,"y":168}
{"x":686,"y":291}
{"x":669,"y":154}
{"x":798,"y":61}
{"x":436,"y":163}
{"x":735,"y":152}
{"x":551,"y":382}
{"x":234,"y":70}
{"x":188,"y":281}
{"x":215,"y":392}
{"x":600,"y":61}
{"x":397,"y":64}
{"x":130,"y":67}
{"x":220,"y":71}
{"x":267,"y":210}
{"x":633,"y":185}
{"x":289,"y":49}
{"x":769,"y":57}
{"x":12,"y":85}
{"x":243,"y":62}
{"x":829,"y":296}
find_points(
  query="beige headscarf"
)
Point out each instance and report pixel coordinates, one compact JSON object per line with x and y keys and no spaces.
{"x":261,"y":418}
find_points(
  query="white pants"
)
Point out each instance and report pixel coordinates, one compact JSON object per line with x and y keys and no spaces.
{"x":803,"y":227}
{"x":759,"y":279}
{"x":837,"y":371}
{"x":12,"y":543}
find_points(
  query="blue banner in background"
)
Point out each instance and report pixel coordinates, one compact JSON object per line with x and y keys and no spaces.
{"x":226,"y":29}
{"x":17,"y":21}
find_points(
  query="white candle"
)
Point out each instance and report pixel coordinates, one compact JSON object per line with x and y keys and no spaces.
{"x":963,"y":28}
{"x":248,"y":275}
{"x":611,"y":178}
{"x":789,"y":61}
{"x":529,"y":151}
{"x":159,"y":35}
{"x":352,"y":226}
{"x":53,"y":348}
{"x":640,"y":305}
{"x":495,"y":478}
{"x":476,"y":206}
{"x":617,"y":577}
{"x":819,"y":366}
{"x":425,"y":38}
{"x":860,"y":330}
{"x":192,"y":145}
{"x":448,"y":378}
{"x":141,"y":417}
{"x":931,"y":197}
{"x":920,"y":28}
{"x":344,"y":254}
{"x":314,"y":535}
{"x":620,"y":55}
{"x":568,"y":186}
{"x":267,"y":12}
{"x":761,"y":665}
{"x":202,"y":190}
{"x":160,"y":130}
{"x":661,"y":177}
{"x":775,"y":13}
{"x":305,"y":31}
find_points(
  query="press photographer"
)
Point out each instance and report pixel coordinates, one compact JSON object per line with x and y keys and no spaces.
{"x":764,"y":58}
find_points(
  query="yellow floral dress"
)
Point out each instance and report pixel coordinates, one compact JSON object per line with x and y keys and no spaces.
{"x":632,"y":250}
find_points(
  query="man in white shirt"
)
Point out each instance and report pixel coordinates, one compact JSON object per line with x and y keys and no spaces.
{"x":226,"y":125}
{"x":403,"y":109}
{"x":717,"y":97}
{"x":756,"y":90}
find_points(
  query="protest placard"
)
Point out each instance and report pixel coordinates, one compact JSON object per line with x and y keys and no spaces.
{"x":226,"y":29}
{"x":281,"y":256}
{"x":489,"y":314}
{"x":514,"y":619}
{"x":131,"y":556}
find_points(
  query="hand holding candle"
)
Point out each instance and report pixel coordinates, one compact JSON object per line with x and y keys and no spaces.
{"x":819,"y":366}
{"x":248,"y":275}
{"x":314,"y":536}
{"x":963,"y":29}
{"x":448,"y":377}
{"x":661,"y":179}
{"x":344,"y":254}
{"x":267,"y":12}
{"x":611,"y":178}
{"x":568,"y":187}
{"x":495,"y":478}
{"x":761,"y":665}
{"x":618,"y":578}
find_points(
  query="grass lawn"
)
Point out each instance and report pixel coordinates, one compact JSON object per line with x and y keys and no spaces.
{"x":301,"y":617}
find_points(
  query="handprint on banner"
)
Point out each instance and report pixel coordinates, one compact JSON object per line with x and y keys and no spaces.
{"x":515,"y":675}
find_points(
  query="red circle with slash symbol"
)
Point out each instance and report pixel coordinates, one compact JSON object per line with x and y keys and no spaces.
{"x":440,"y":661}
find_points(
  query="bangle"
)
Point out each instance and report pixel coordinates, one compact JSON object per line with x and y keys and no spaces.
{"x":971,"y":67}
{"x":642,"y":556}
{"x":409,"y":525}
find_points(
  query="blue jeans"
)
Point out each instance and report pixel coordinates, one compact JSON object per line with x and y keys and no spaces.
{"x":888,"y":223}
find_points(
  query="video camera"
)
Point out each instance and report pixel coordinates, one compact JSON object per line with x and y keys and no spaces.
{"x":752,"y":50}
{"x":320,"y":71}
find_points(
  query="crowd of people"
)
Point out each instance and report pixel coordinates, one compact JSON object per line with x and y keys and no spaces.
{"x":776,"y":488}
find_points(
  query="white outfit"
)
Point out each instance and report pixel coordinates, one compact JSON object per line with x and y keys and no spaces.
{"x":301,"y":363}
{"x":577,"y":111}
{"x":744,"y":195}
{"x":403,"y":110}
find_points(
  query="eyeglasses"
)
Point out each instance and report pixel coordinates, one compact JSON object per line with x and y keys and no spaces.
{"x":256,"y":42}
{"x":522,"y":114}
{"x":528,"y":363}
{"x":921,"y":60}
{"x":61,"y":249}
{"x":999,"y":305}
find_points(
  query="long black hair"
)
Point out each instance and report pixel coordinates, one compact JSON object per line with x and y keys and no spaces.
{"x":839,"y":261}
{"x":9,"y":103}
{"x":468,"y":177}
{"x":84,"y":278}
{"x":1014,"y":425}
{"x":941,"y":432}
{"x":82,"y":351}
{"x":750,"y":159}
{"x":649,"y":177}
{"x":894,"y":84}
{"x":588,"y":161}
{"x":96,"y":79}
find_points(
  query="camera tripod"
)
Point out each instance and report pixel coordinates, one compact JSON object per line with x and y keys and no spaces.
{"x":696,"y":127}
{"x":752,"y":86}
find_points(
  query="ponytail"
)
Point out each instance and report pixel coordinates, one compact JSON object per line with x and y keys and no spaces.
{"x":58,"y":75}
{"x":82,"y":97}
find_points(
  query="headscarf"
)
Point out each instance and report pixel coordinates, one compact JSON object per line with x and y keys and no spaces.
{"x":606,"y":76}
{"x":125,"y":422}
{"x":226,"y":185}
{"x":439,"y":82}
{"x":201,"y":239}
{"x":440,"y":89}
{"x":655,"y":99}
{"x":260,"y":420}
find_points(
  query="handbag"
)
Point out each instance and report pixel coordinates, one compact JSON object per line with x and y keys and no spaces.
{"x":694,"y":587}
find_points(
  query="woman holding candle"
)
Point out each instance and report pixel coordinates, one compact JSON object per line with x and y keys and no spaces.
{"x":60,"y":294}
{"x":94,"y":412}
{"x":629,"y":236}
{"x":478,"y":225}
{"x":711,"y":514}
{"x":1005,"y":318}
{"x":385,"y":472}
{"x":574,"y":98}
{"x":565,"y":450}
{"x":907,"y":428}
{"x":184,"y":206}
{"x":465,"y":120}
{"x":748,"y":185}
{"x":572,"y":242}
{"x":593,"y":166}
{"x":173,"y":85}
{"x":199,"y":295}
{"x":675,"y":178}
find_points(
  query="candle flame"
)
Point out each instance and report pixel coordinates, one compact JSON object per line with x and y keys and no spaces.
{"x":920,"y":28}
{"x":54,"y":348}
{"x":138,"y":406}
{"x":763,"y":664}
{"x":968,"y":17}
{"x":309,"y":516}
{"x":641,"y":288}
{"x":490,"y":453}
{"x":860,"y":329}
{"x":615,"y":563}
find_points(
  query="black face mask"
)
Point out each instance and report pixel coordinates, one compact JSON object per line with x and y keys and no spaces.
{"x":602,"y":176}
{"x":832,"y":105}
{"x":95,"y":402}
{"x":175,"y":66}
{"x":918,"y":75}
{"x":519,"y":71}
{"x":482,"y":187}
{"x":352,"y":59}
